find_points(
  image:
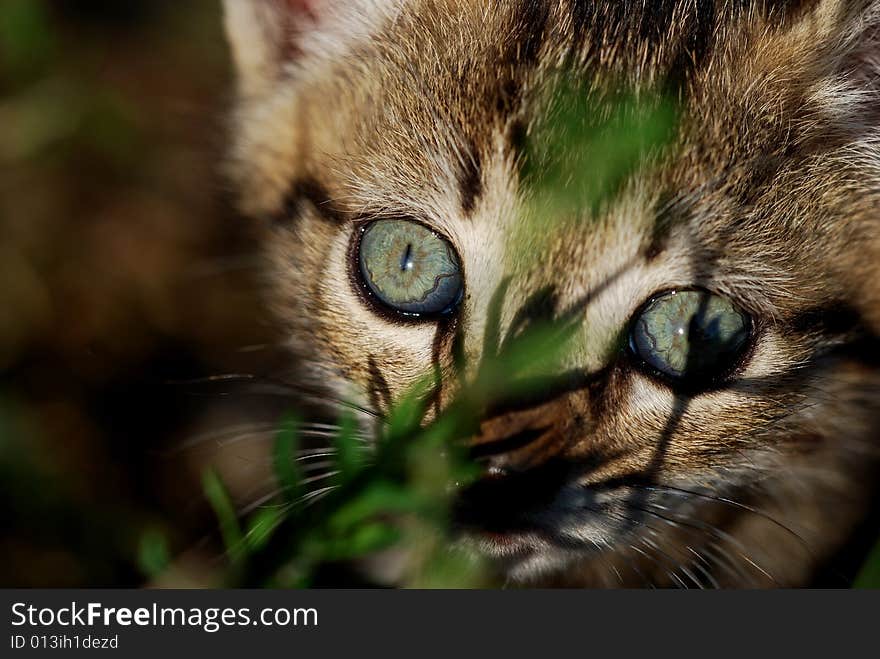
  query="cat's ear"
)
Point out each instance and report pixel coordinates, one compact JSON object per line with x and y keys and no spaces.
{"x":269,"y":37}
{"x":257,"y":31}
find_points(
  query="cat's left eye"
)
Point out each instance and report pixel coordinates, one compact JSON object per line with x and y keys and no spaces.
{"x":409,"y":268}
{"x":691,"y":337}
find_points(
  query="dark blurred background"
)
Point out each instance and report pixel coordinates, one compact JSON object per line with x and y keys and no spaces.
{"x":122,"y":272}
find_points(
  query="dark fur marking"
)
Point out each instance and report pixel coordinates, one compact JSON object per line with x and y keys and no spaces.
{"x":517,"y":140}
{"x":310,"y":191}
{"x":459,"y":358}
{"x":507,"y":444}
{"x":531,"y":27}
{"x":519,"y":53}
{"x":508,"y":99}
{"x":694,"y":47}
{"x":762,"y":173}
{"x":380,"y":393}
{"x":543,"y":390}
{"x":603,"y":19}
{"x":600,"y":392}
{"x":540,"y":307}
{"x":833,"y":319}
{"x":470,"y":179}
{"x":687,"y":29}
{"x":668,"y":213}
{"x":445,"y":326}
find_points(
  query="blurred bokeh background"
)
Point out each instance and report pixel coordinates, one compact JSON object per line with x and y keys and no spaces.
{"x":122,"y":271}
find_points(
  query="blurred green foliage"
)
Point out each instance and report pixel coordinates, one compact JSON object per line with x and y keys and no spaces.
{"x":588,"y":142}
{"x":35,"y":490}
{"x":106,"y":199}
{"x":27,"y":44}
{"x":869,"y":576}
{"x":48,"y":102}
{"x":154,"y":556}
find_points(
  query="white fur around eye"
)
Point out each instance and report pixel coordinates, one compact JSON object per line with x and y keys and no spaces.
{"x":771,"y":355}
{"x":649,"y":398}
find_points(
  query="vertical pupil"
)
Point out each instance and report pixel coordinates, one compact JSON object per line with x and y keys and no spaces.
{"x":406,"y":262}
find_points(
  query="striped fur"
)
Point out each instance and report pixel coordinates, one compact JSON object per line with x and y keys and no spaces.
{"x":770,"y":195}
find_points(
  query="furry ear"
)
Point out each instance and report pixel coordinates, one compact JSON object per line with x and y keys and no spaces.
{"x":262,"y":35}
{"x":269,"y":36}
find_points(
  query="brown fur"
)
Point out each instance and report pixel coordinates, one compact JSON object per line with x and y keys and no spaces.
{"x":770,"y":196}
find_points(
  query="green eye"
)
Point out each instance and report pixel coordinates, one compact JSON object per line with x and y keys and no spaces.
{"x":409,"y":268}
{"x":690,"y":336}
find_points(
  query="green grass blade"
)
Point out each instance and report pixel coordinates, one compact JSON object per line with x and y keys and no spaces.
{"x":261,"y":526}
{"x":869,"y":576}
{"x":218,"y":497}
{"x":284,"y":454}
{"x":348,"y":448}
{"x":153,"y":554}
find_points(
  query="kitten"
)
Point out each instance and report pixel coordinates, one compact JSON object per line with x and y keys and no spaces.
{"x":721,"y":427}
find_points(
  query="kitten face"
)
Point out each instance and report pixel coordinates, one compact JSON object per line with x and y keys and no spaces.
{"x":356,"y":114}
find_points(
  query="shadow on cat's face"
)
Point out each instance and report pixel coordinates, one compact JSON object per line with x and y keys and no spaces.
{"x":713,"y":419}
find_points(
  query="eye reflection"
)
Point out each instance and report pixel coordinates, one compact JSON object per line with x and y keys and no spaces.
{"x":690,"y":336}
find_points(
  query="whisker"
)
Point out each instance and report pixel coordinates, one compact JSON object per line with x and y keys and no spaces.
{"x":656,"y":549}
{"x":703,"y":570}
{"x":265,"y":432}
{"x":608,"y":565}
{"x":630,"y":564}
{"x":320,"y":477}
{"x":725,"y":561}
{"x":262,"y":384}
{"x":313,"y":497}
{"x":308,"y":454}
{"x":715,"y":532}
{"x":730,"y":502}
{"x":672,"y":575}
{"x":219,"y":435}
{"x":251,"y":507}
{"x":681,"y":566}
{"x":313,"y":466}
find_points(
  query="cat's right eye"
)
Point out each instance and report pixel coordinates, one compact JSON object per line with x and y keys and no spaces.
{"x":690,"y":337}
{"x":409,"y":268}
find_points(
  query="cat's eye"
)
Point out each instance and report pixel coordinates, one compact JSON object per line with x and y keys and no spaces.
{"x":691,"y":337}
{"x":409,"y":268}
